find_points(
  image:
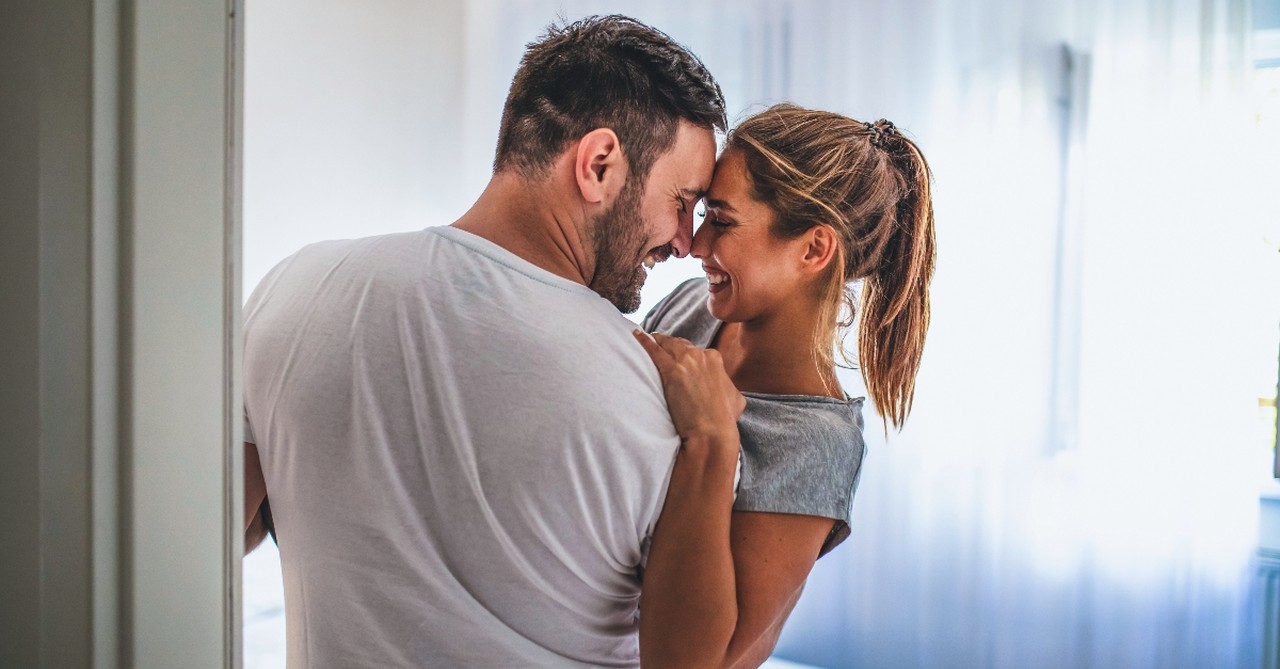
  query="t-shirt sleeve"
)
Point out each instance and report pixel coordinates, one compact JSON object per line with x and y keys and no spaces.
{"x":653,"y":320}
{"x":800,"y":462}
{"x":680,"y":312}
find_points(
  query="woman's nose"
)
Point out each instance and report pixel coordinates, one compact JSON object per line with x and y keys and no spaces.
{"x":701,"y":245}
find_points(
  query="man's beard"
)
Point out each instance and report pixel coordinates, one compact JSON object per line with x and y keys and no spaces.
{"x":619,"y":240}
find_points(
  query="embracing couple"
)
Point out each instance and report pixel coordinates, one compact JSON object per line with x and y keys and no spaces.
{"x":472,"y":459}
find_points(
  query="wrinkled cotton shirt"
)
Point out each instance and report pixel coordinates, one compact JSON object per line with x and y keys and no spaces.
{"x":465,"y":456}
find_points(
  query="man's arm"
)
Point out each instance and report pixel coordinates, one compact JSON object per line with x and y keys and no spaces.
{"x":255,"y":490}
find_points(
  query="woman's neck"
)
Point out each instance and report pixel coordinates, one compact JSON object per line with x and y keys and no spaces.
{"x":774,"y":354}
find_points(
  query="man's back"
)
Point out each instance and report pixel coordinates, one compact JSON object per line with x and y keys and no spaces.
{"x":463,"y":454}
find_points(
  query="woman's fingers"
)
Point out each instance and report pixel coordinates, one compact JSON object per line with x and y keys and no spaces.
{"x":700,"y":394}
{"x":684,"y":357}
{"x":673,"y":345}
{"x":661,"y":358}
{"x":663,"y":347}
{"x":663,"y":338}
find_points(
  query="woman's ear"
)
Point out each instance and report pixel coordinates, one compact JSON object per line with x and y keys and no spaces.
{"x":820,"y":243}
{"x":599,"y":167}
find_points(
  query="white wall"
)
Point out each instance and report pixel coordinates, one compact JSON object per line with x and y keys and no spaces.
{"x":353,"y":122}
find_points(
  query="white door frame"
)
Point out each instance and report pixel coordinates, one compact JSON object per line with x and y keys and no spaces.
{"x":120,"y":417}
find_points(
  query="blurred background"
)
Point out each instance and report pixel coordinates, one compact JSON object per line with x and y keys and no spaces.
{"x":1087,"y":479}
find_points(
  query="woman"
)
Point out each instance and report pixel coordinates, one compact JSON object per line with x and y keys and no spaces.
{"x":803,"y":202}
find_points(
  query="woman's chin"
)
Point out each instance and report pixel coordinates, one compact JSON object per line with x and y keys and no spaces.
{"x":718,"y":307}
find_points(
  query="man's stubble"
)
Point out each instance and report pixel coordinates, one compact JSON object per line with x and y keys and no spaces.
{"x":620,"y":244}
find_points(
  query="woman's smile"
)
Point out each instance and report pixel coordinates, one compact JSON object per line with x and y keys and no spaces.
{"x":716,"y":279}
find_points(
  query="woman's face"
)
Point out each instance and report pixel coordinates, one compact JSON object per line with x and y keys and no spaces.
{"x":751,"y":272}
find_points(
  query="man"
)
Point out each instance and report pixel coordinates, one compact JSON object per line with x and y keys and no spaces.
{"x":464,"y":447}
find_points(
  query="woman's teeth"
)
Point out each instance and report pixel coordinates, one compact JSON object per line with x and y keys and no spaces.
{"x":717,"y":278}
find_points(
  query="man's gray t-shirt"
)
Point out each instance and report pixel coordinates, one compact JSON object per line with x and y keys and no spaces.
{"x":801,"y":454}
{"x":465,"y":456}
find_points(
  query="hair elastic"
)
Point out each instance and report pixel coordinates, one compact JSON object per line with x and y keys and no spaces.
{"x":880,"y":130}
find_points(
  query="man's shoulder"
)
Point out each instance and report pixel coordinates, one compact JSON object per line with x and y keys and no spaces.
{"x":324,"y":254}
{"x":595,"y":346}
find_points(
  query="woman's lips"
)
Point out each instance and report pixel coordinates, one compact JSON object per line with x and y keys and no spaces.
{"x":716,"y":280}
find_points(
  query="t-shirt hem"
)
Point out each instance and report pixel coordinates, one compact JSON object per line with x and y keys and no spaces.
{"x":764,"y":507}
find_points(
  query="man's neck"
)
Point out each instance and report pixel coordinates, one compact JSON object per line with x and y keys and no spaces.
{"x":535,"y":222}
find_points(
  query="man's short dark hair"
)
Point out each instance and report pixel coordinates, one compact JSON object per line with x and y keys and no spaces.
{"x":604,"y":72}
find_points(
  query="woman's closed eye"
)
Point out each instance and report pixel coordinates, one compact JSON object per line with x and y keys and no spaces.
{"x":717,"y":221}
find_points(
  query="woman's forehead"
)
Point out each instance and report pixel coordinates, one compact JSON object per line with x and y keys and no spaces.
{"x":730,"y":183}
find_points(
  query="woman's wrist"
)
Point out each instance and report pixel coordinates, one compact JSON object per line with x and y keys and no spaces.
{"x":716,"y":447}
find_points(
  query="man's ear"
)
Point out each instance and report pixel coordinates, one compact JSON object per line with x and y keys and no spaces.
{"x":599,"y":167}
{"x":820,"y":245}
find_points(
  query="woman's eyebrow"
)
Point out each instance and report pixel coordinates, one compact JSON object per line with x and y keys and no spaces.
{"x":720,"y":204}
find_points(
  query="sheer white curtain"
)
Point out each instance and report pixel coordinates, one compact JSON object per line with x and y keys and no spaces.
{"x":1077,"y":485}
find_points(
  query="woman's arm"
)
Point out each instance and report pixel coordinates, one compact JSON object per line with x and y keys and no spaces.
{"x":773,"y":554}
{"x":688,"y":603}
{"x":718,"y":584}
{"x":688,"y":607}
